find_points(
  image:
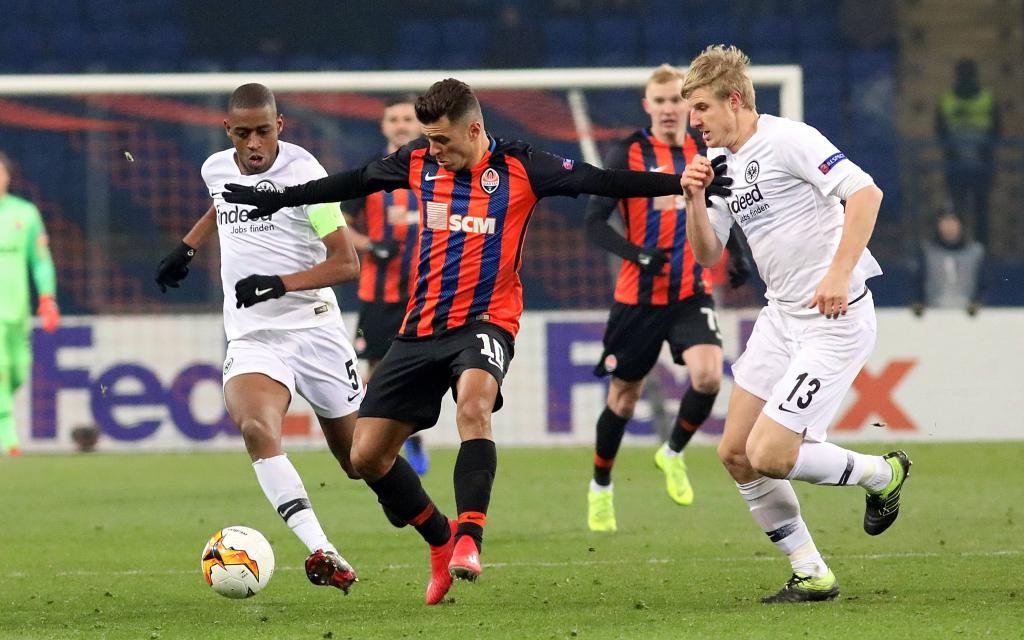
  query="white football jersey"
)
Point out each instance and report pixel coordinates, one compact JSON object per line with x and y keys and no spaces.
{"x":285,"y":243}
{"x":784,"y":177}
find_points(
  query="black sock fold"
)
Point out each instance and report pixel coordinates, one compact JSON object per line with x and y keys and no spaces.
{"x":403,"y":498}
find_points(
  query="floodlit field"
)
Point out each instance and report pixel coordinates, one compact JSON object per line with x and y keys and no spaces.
{"x":107,"y":546}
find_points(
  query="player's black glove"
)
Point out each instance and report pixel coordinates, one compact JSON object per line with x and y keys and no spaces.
{"x":738,"y":269}
{"x":720,"y":183}
{"x":254,"y":289}
{"x":173,"y":269}
{"x":266,"y":202}
{"x":384,"y":250}
{"x":650,"y":259}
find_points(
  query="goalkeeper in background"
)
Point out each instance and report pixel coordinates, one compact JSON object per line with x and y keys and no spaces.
{"x":23,"y":246}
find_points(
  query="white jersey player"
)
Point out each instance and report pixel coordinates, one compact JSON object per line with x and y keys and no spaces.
{"x":818,"y":328}
{"x":285,"y":334}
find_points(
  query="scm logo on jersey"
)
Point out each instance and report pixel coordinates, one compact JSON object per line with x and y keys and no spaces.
{"x":471,"y":224}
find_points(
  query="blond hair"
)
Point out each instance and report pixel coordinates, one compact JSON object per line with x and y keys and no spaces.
{"x":664,"y":73}
{"x":724,"y":70}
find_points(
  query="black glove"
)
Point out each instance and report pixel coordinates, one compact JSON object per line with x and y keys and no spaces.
{"x":738,"y":269}
{"x":650,"y":259}
{"x":384,"y":250}
{"x":174,"y":267}
{"x":266,"y":202}
{"x":253,"y":289}
{"x":720,"y":183}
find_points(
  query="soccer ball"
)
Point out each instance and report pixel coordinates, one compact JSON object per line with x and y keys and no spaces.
{"x":238,"y":562}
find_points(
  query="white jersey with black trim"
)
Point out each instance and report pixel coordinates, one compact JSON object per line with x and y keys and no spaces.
{"x":285,"y":243}
{"x":785,"y":179}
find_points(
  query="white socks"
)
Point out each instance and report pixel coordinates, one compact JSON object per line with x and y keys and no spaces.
{"x":774,"y":506}
{"x":825,"y":463}
{"x":600,"y":487}
{"x":283,"y":487}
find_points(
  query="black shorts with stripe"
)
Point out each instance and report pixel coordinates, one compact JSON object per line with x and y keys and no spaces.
{"x":633,"y":336}
{"x":410,"y":382}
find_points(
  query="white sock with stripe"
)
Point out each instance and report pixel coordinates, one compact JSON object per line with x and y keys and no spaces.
{"x":776,"y":510}
{"x":284,"y":489}
{"x":826,"y":463}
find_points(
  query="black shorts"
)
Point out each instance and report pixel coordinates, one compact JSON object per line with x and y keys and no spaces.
{"x":379,"y":323}
{"x":633,"y":337}
{"x":410,"y":382}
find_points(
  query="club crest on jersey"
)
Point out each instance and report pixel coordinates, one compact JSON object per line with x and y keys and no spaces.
{"x":567,"y":164}
{"x":830,"y":162}
{"x":490,"y":180}
{"x":227,"y":365}
{"x":267,"y":185}
{"x":752,"y":171}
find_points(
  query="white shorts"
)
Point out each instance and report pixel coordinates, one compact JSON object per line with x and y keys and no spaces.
{"x":318,"y":363}
{"x":802,"y":366}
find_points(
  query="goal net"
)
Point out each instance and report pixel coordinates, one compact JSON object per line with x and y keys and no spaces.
{"x":113,"y":163}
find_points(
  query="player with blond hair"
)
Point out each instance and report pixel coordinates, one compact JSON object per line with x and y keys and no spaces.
{"x":817,"y":330}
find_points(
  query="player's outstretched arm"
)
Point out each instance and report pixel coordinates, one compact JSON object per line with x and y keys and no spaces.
{"x":174,"y":267}
{"x":700,"y":233}
{"x":831,"y":296}
{"x":601,"y":233}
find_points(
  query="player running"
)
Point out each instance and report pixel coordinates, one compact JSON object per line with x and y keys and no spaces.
{"x":391,"y":220}
{"x":662,"y":295}
{"x":285,"y":334}
{"x":476,"y":195}
{"x":24,"y":250}
{"x":818,"y":328}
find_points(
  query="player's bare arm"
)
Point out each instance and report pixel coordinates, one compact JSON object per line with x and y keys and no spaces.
{"x":202,"y":229}
{"x":704,"y":243}
{"x":832,"y":295}
{"x":341,"y":265}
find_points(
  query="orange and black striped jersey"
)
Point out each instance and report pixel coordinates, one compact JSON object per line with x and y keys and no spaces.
{"x":473,"y":223}
{"x":390,"y":217}
{"x":654,"y":222}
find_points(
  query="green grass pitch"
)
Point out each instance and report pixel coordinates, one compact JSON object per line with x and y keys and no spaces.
{"x":107,"y":546}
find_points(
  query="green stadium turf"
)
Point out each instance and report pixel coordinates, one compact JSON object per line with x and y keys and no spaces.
{"x":107,"y":546}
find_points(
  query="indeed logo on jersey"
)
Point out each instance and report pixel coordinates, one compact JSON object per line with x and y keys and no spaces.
{"x":238,"y":217}
{"x":439,"y":219}
{"x":740,"y":204}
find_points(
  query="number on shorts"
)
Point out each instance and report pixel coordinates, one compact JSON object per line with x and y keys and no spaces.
{"x":712,"y":321}
{"x":353,"y":376}
{"x":493,"y":350}
{"x":813,"y":385}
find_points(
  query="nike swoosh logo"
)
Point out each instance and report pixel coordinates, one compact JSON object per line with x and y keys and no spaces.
{"x":353,"y":397}
{"x":658,"y":169}
{"x":260,"y":292}
{"x":782,"y":408}
{"x":436,"y":176}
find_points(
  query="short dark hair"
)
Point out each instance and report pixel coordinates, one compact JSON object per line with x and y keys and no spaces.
{"x":252,"y":96}
{"x":448,"y":97}
{"x":400,"y":98}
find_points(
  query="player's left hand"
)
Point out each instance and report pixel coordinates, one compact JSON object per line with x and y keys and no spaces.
{"x":49,"y":313}
{"x":832,"y":295}
{"x":266,"y":202}
{"x":254,"y":289}
{"x":719,"y":185}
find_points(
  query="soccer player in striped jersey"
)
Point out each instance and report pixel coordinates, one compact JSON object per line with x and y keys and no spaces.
{"x":284,"y":331}
{"x":391,"y":220}
{"x":662,"y":295}
{"x":476,"y":196}
{"x":808,"y":213}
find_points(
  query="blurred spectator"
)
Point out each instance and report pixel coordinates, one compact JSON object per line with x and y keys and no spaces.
{"x":967,"y":123}
{"x":514,"y":43}
{"x":950,"y":269}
